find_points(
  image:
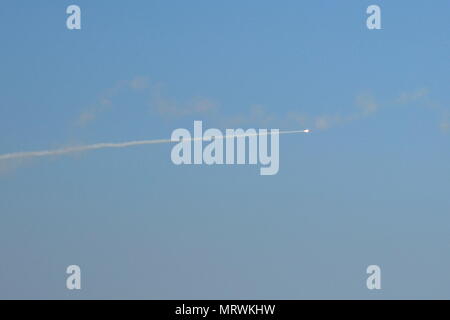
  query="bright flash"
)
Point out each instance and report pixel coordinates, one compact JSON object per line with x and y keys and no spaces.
{"x":306,"y":131}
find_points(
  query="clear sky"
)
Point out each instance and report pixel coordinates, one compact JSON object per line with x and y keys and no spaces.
{"x":369,"y":185}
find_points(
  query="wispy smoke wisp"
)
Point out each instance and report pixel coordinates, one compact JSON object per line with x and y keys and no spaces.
{"x":44,"y":153}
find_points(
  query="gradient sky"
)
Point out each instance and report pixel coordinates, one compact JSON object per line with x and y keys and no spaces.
{"x":369,"y":185}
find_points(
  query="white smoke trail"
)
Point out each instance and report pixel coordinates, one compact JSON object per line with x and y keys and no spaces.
{"x":43,"y":153}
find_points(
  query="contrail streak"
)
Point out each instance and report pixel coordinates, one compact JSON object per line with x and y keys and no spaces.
{"x":44,"y":153}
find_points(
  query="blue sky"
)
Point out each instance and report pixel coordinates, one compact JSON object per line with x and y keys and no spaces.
{"x":368,"y":186}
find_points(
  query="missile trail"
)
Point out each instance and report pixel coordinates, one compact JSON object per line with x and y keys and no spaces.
{"x":96,"y":146}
